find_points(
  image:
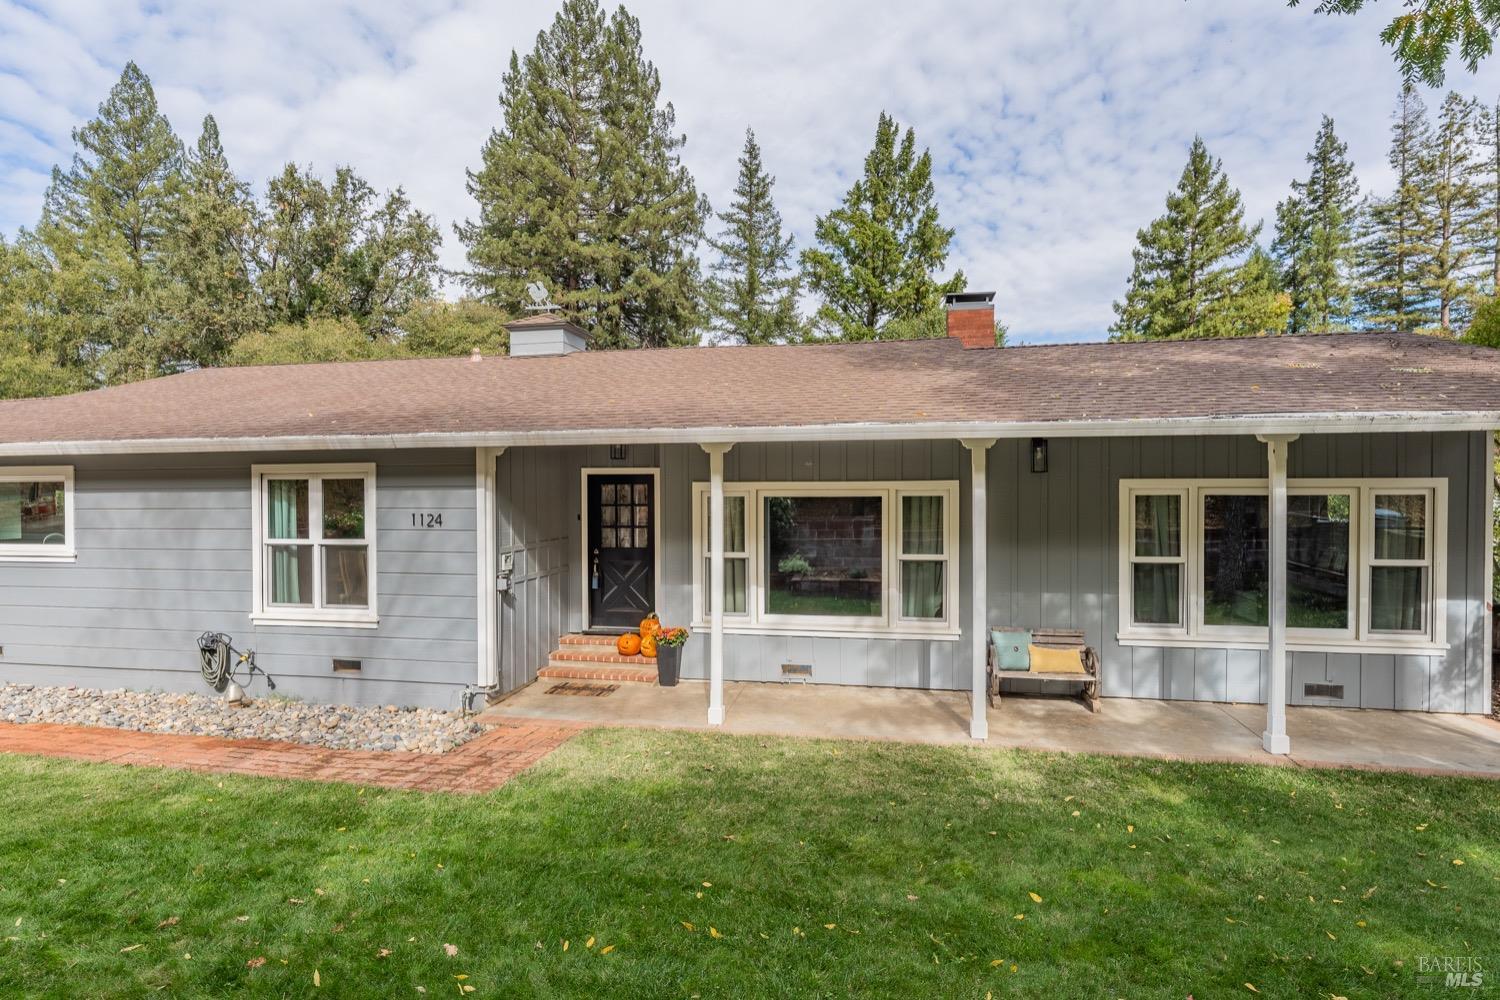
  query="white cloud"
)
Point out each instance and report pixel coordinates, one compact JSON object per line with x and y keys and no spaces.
{"x":1056,"y":129}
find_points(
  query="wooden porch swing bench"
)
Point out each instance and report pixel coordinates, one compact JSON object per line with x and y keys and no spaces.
{"x":1066,"y":639}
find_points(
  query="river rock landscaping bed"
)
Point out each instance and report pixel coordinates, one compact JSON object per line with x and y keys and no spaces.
{"x":338,"y":727}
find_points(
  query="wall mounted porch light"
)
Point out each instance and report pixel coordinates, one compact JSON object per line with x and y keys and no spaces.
{"x":1038,"y":454}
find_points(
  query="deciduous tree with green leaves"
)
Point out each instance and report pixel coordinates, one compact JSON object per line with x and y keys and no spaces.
{"x":582,"y":187}
{"x":1425,"y":34}
{"x":753,"y":286}
{"x":339,"y":249}
{"x":879,"y":255}
{"x":1191,"y":276}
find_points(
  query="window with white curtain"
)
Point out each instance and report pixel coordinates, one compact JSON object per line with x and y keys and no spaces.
{"x":1157,"y":557}
{"x":1362,"y":562}
{"x":834,"y":558}
{"x":315,"y":550}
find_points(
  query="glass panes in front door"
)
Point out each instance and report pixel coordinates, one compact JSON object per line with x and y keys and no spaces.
{"x":624,"y":515}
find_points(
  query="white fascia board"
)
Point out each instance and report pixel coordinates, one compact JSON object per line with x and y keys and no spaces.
{"x":1314,"y":423}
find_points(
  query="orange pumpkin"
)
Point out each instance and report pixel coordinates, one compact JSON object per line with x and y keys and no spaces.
{"x":649,"y":625}
{"x":648,"y":646}
{"x":628,"y":644}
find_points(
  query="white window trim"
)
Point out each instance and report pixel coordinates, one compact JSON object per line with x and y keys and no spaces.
{"x":1360,"y":638}
{"x":32,"y":552}
{"x":261,"y":612}
{"x":890,"y":624}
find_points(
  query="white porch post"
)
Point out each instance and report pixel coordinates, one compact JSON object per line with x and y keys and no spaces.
{"x":716,"y":582}
{"x":979,"y":725}
{"x":485,"y":510}
{"x":1275,"y":739}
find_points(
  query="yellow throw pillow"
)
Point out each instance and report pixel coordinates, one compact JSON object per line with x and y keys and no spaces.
{"x":1056,"y":661}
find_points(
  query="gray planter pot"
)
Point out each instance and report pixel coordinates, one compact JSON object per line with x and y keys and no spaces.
{"x":668,"y":665}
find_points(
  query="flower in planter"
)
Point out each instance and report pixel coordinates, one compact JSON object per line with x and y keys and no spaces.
{"x":671,"y":636}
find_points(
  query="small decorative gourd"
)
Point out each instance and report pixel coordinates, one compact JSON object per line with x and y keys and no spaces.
{"x":648,"y":646}
{"x":649,"y":625}
{"x":628,"y":644}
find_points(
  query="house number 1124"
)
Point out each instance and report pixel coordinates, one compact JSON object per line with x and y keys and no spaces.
{"x":420,"y":519}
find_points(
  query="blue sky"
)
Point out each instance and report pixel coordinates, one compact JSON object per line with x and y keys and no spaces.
{"x":1056,"y":128}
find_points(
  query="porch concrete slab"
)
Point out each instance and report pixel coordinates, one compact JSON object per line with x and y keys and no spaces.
{"x":1137,"y":727}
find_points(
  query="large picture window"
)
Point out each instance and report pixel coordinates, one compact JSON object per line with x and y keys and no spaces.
{"x":36,"y":513}
{"x":1361,"y":562}
{"x":834,"y":558}
{"x":315,"y":553}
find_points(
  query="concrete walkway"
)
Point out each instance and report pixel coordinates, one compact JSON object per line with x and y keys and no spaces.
{"x":1407,"y":741}
{"x":480,"y":765}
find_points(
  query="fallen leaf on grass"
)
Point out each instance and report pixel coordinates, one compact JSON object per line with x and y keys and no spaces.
{"x":256,"y":962}
{"x":317,"y":979}
{"x":1458,"y":861}
{"x":241,"y":919}
{"x":1034,"y":897}
{"x":296,"y":902}
{"x":451,"y":949}
{"x":1331,"y":935}
{"x":829,"y":927}
{"x":589,"y":943}
{"x":169,"y":922}
{"x":713,"y":932}
{"x":1020,"y":916}
{"x":1251,"y":988}
{"x":383,"y":953}
{"x":129,"y":947}
{"x":688,"y":925}
{"x":606,"y":949}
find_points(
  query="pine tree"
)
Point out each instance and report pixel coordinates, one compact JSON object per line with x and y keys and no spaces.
{"x":209,"y":256}
{"x":752,"y":292}
{"x":1489,"y":225}
{"x":1396,"y":230}
{"x":1290,"y":248}
{"x":1189,"y":278}
{"x":878,"y":252}
{"x":1453,"y":201}
{"x":583,"y":188}
{"x":1331,"y":198}
{"x":103,"y":232}
{"x":331,"y":250}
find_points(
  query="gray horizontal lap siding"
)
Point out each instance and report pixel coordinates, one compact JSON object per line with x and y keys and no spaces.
{"x":164,"y":554}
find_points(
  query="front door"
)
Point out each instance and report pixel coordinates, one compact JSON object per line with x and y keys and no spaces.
{"x":621,"y":549}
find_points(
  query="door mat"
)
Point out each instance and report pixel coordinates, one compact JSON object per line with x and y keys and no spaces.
{"x":587,"y":690}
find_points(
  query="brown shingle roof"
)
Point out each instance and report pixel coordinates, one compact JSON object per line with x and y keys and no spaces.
{"x":778,"y":389}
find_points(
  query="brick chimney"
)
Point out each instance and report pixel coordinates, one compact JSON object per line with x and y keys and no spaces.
{"x":971,"y":318}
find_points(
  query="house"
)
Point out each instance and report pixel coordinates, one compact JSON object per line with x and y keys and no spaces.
{"x":1283,"y":520}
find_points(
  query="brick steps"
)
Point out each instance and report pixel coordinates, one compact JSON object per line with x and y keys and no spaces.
{"x":593,"y":658}
{"x":581,"y":672}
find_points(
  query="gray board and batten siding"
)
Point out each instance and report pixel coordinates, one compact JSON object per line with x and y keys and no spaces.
{"x":1053,"y":559}
{"x":164,"y":554}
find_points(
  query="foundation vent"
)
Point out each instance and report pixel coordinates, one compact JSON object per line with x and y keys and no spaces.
{"x":346,"y":666}
{"x":796,"y":672}
{"x":1323,"y":691}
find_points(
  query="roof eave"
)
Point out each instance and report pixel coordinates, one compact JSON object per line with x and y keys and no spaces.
{"x":1296,"y":423}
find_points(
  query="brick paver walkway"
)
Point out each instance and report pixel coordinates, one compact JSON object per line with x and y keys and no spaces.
{"x":480,"y":765}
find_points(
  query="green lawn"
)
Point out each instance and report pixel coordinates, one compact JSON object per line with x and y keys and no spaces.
{"x":731,"y":867}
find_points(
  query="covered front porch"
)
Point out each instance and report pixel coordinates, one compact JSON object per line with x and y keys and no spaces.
{"x":1170,"y":730}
